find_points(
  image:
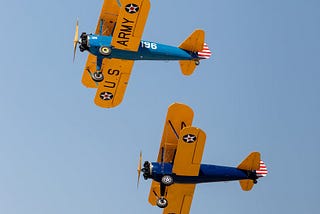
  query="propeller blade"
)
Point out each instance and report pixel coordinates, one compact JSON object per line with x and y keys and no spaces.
{"x":76,"y":40}
{"x":139,"y":168}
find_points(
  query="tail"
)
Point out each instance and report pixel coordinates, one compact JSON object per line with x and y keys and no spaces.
{"x":194,"y":43}
{"x":262,"y":171}
{"x":254,"y":164}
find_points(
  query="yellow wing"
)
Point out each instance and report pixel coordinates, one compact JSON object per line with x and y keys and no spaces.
{"x":108,"y":15}
{"x":189,"y":152}
{"x":178,"y":116}
{"x":90,"y":66}
{"x":111,"y":90}
{"x":179,"y":197}
{"x":130,"y":24}
{"x":186,"y":162}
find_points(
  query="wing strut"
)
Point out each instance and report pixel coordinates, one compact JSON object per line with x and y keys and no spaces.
{"x":173,"y":129}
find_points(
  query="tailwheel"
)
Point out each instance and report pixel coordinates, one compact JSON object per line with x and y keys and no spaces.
{"x":105,"y":51}
{"x":255,"y":181}
{"x":167,"y":180}
{"x":162,"y":202}
{"x":97,"y":76}
{"x":197,"y":62}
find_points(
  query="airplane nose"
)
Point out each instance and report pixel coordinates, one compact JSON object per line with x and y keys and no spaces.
{"x":83,"y":42}
{"x":146,"y":170}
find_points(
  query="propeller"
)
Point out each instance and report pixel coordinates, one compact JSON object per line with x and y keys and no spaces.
{"x":76,"y":39}
{"x":139,"y":168}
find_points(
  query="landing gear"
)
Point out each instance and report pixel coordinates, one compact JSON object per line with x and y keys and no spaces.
{"x":255,"y":181}
{"x":105,"y":51}
{"x":197,"y":62}
{"x":97,"y":76}
{"x":167,"y":180}
{"x":162,"y":202}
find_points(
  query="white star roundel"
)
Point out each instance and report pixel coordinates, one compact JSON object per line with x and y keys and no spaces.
{"x":106,"y":95}
{"x":132,"y":8}
{"x":189,"y":138}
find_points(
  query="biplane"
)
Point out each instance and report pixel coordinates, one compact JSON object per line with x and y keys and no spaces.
{"x":117,"y":43}
{"x":178,"y":168}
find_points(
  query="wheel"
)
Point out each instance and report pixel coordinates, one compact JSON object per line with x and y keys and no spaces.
{"x":167,"y":180}
{"x":105,"y":51}
{"x":97,"y":76}
{"x":197,"y":62}
{"x":162,"y":202}
{"x":255,"y":181}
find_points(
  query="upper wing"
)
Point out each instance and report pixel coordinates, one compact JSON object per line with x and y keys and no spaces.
{"x":179,"y":197}
{"x":108,"y":15}
{"x":189,"y":152}
{"x":187,"y":160}
{"x":111,"y":90}
{"x":178,"y":116}
{"x":130,"y":24}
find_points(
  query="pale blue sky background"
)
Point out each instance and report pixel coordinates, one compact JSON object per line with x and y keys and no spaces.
{"x":59,"y":153}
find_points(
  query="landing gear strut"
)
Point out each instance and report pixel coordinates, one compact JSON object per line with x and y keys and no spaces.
{"x":162,"y":202}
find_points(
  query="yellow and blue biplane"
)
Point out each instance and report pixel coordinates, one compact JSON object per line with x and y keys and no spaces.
{"x":178,"y":168}
{"x":117,"y":42}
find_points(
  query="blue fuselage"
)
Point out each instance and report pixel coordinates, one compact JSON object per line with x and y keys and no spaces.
{"x":147,"y":50}
{"x":207,"y":173}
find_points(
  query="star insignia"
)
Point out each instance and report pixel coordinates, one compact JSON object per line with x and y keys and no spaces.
{"x":106,"y":95}
{"x":132,"y":8}
{"x":189,"y":138}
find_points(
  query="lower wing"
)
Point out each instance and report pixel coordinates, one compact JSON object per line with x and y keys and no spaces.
{"x":90,"y":67}
{"x":111,"y":90}
{"x":179,"y":197}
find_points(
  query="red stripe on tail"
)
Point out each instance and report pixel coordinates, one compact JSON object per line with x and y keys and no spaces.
{"x":205,"y":53}
{"x":262,"y":172}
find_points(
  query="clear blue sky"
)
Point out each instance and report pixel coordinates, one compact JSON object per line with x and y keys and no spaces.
{"x":59,"y":153}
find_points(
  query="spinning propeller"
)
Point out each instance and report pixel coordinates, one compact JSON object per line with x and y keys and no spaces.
{"x":139,"y":168}
{"x":76,"y":40}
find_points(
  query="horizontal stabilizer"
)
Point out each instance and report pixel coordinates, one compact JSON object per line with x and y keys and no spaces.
{"x":252,"y":162}
{"x":246,"y":185}
{"x":187,"y":66}
{"x":194,"y":42}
